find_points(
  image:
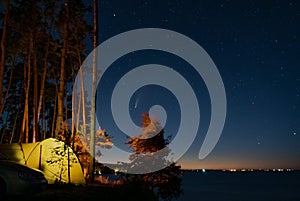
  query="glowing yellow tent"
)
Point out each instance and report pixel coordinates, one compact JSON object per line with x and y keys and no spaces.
{"x":50,"y":156}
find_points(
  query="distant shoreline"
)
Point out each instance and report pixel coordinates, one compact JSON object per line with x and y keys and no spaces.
{"x":242,"y":170}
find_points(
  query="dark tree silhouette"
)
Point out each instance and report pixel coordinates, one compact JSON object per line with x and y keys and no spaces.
{"x":165,"y":183}
{"x":42,"y":48}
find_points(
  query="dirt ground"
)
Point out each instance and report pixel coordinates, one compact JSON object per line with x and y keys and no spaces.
{"x":87,"y":193}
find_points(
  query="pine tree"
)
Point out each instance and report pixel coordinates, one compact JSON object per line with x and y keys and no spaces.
{"x":166,"y":182}
{"x":3,"y":56}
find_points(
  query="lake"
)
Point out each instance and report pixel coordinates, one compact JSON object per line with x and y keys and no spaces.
{"x":242,"y":186}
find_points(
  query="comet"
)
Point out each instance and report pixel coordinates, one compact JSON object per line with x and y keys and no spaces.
{"x":136,"y":103}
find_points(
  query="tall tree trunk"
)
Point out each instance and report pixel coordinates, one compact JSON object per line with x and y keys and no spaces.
{"x":35,"y":73}
{"x":60,"y":98}
{"x":78,"y":114}
{"x":54,"y":117}
{"x":44,"y":119}
{"x":27,"y":98}
{"x":42,"y":88}
{"x":7,"y":89}
{"x":25,"y":122}
{"x":35,"y":96}
{"x":82,"y":97}
{"x":43,"y":78}
{"x":93,"y":109}
{"x":72,"y":138}
{"x":3,"y":41}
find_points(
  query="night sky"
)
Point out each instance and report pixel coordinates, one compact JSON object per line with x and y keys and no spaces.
{"x":255,"y":46}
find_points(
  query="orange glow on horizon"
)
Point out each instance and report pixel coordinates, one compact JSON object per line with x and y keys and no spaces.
{"x":234,"y":164}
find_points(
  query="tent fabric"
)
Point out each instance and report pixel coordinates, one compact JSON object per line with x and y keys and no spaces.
{"x":50,"y":156}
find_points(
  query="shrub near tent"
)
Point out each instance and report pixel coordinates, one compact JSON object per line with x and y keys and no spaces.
{"x":50,"y":156}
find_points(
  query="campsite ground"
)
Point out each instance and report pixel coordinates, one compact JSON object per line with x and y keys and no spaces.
{"x":88,"y":193}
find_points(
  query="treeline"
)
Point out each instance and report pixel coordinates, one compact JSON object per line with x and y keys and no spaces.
{"x":43,"y":44}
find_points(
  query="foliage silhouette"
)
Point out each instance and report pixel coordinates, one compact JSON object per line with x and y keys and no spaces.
{"x":165,"y":183}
